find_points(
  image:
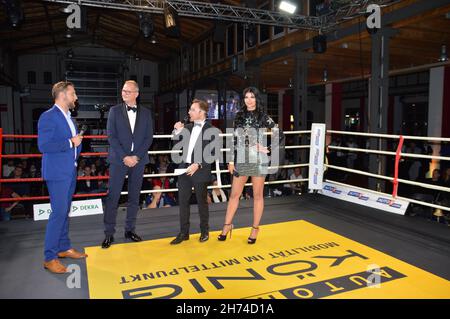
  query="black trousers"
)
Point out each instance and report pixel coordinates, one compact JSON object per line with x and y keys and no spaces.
{"x":117,"y":173}
{"x":185,"y":184}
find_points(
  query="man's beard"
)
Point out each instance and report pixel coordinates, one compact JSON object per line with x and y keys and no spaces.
{"x":72,"y":105}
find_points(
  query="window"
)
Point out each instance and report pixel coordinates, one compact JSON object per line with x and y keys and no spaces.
{"x":240,"y":38}
{"x":230,"y":40}
{"x":47,"y":77}
{"x":221,"y":49}
{"x":215,"y":52}
{"x":146,"y":81}
{"x":208,"y":52}
{"x":276,"y":31}
{"x":202,"y":54}
{"x":31,"y":77}
{"x":264,"y":30}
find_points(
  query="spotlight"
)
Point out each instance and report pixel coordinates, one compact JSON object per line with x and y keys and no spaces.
{"x":137,"y":57}
{"x":14,"y":12}
{"x":146,"y":25}
{"x":250,"y":35}
{"x":444,"y":56}
{"x":290,"y":85}
{"x":69,"y":54}
{"x":287,"y":6}
{"x":325,"y":75}
{"x":320,"y":43}
{"x":69,"y":34}
{"x":171,"y":22}
{"x":153,"y":39}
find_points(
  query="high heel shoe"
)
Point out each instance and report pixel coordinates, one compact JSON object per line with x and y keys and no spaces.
{"x":224,"y":237}
{"x":250,"y":240}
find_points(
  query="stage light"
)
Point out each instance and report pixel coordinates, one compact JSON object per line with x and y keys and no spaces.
{"x":70,"y":54}
{"x":290,"y":85}
{"x":68,"y":34}
{"x":14,"y":12}
{"x":153,"y":39}
{"x":444,"y":56}
{"x":325,"y":75}
{"x":250,"y":35}
{"x":320,"y":43}
{"x":146,"y":25}
{"x":171,"y":22}
{"x":287,"y":6}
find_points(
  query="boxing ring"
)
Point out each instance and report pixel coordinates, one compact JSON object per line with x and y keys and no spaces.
{"x":310,"y":246}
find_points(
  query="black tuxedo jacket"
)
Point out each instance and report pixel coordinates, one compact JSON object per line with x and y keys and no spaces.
{"x":209,"y":142}
{"x":120,"y":137}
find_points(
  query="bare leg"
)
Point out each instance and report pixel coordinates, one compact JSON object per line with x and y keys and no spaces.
{"x":258,"y":202}
{"x":236,"y":190}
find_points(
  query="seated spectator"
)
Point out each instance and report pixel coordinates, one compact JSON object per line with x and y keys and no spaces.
{"x":8,"y":168}
{"x":7,"y":207}
{"x":159,"y":199}
{"x":296,"y":187}
{"x":446,"y":177}
{"x":102,"y":183}
{"x":87,"y":186}
{"x":93,"y":170}
{"x":81,"y":166}
{"x":34,"y":172}
{"x":217,"y":195}
{"x":25,"y":168}
{"x":23,"y":189}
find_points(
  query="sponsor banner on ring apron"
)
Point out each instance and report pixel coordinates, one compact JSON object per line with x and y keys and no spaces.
{"x":79,"y":208}
{"x":366,"y":198}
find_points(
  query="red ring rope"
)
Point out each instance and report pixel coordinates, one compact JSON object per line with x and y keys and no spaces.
{"x":397,"y":161}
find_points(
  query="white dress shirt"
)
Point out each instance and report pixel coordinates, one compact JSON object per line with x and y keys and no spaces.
{"x":196,"y":131}
{"x":72,"y":128}
{"x":132,"y":118}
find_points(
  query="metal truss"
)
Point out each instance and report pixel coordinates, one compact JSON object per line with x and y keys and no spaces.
{"x":339,"y":11}
{"x":206,"y":10}
{"x":344,"y":10}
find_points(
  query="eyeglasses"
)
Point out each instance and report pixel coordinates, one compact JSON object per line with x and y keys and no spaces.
{"x":128,"y":92}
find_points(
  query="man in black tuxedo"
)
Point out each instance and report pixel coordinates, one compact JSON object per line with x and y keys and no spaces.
{"x":201,"y":146}
{"x":130,"y":134}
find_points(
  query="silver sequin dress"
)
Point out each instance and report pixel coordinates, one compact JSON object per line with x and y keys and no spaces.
{"x":249,"y":128}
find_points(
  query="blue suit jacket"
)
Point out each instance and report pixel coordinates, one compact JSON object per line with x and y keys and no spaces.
{"x":120,"y":137}
{"x":58,"y":160}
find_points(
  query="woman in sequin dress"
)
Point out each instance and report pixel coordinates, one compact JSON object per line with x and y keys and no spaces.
{"x":250,"y":159}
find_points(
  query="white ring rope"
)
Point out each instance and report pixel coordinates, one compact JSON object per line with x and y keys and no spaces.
{"x":349,"y":149}
{"x":285,"y":181}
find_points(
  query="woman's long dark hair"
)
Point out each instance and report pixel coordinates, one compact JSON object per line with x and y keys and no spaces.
{"x":259,"y":103}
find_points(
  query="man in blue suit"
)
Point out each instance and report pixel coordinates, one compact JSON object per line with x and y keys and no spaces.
{"x":60,"y":144}
{"x":130,"y":134}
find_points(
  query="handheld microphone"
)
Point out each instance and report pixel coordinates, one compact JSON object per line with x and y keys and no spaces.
{"x":185,"y":120}
{"x":83,"y":129}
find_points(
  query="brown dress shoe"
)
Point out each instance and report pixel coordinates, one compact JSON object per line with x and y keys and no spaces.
{"x":72,"y":253}
{"x":55,"y":266}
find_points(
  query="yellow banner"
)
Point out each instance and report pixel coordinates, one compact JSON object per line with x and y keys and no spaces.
{"x":295,"y":260}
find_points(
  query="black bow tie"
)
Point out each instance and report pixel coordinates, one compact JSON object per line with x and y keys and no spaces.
{"x":131,"y":108}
